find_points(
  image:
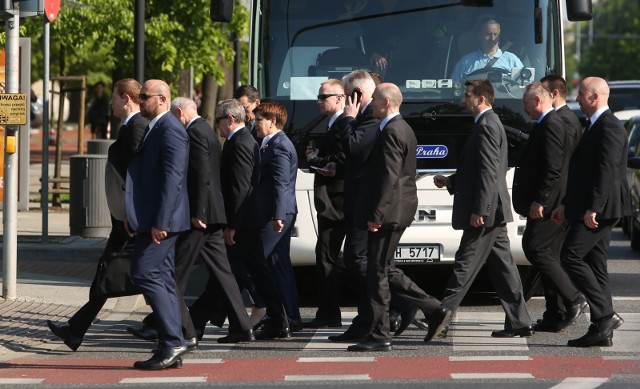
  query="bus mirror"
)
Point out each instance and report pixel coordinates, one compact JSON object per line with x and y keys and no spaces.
{"x":579,"y":10}
{"x":221,"y":10}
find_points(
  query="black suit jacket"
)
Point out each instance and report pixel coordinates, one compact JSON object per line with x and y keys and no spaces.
{"x":240,"y":173}
{"x":391,"y":197}
{"x":119,"y":157}
{"x":358,"y":138}
{"x":328,"y":192}
{"x":597,"y":172}
{"x":479,"y":185}
{"x":203,"y":178}
{"x":571,"y":121}
{"x":541,"y":176}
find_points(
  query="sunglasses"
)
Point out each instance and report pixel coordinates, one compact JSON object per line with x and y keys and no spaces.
{"x":144,"y":96}
{"x":324,"y":97}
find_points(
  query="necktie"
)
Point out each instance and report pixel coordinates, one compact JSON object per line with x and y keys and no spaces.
{"x":146,"y":132}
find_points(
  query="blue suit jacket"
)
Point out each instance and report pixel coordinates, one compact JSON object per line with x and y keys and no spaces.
{"x":156,"y":187}
{"x":278,"y":171}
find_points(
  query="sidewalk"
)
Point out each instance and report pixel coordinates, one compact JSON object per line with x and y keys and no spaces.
{"x":53,"y":275}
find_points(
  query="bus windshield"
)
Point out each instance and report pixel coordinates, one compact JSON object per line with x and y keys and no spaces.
{"x":427,"y":47}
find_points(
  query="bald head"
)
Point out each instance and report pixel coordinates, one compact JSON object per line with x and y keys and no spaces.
{"x":155,"y":96}
{"x":387,"y":99}
{"x":593,"y":94}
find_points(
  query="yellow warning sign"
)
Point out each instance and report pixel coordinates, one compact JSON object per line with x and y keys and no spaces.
{"x":13,"y":109}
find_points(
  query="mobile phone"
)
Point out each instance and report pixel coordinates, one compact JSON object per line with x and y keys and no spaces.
{"x":356,"y":96}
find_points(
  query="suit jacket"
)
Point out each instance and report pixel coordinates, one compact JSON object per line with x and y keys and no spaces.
{"x":359,"y":135}
{"x":203,"y":178}
{"x":156,"y":187}
{"x":542,"y":173}
{"x":278,"y":170}
{"x":391,"y":197}
{"x":119,"y":157}
{"x":328,"y":192}
{"x":240,"y":173}
{"x":479,"y":185}
{"x":597,"y":172}
{"x":571,"y":121}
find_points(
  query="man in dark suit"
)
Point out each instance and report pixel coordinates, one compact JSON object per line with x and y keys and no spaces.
{"x":249,"y":97}
{"x":557,"y":86}
{"x":539,"y":185}
{"x":597,"y":197}
{"x":158,"y":211}
{"x":482,"y":209}
{"x":240,"y":172}
{"x":205,"y":239}
{"x":387,"y":208}
{"x":326,"y":160}
{"x":125,"y":105}
{"x":276,"y":191}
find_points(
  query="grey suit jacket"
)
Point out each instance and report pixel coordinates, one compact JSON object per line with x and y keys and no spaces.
{"x":479,"y":185}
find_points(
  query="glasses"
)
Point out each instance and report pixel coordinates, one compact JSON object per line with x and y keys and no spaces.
{"x":144,"y":96}
{"x":324,"y":97}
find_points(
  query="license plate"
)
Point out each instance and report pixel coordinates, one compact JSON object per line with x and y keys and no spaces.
{"x":418,"y":253}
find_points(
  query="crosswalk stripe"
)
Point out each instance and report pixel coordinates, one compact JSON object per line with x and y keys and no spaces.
{"x":20,"y":381}
{"x":488,"y":376}
{"x":163,"y":380}
{"x":471,"y":331}
{"x":341,"y":377}
{"x":320,"y":339}
{"x":580,"y":383}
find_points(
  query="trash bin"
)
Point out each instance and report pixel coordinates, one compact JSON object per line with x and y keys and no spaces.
{"x":99,"y":146}
{"x":89,"y":215}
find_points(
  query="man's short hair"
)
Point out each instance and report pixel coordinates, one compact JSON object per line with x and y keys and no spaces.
{"x":233,"y":108}
{"x":332,"y":82}
{"x":537,"y":89}
{"x":481,"y":88}
{"x":553,"y":82}
{"x":130,"y":87}
{"x":247,"y":91}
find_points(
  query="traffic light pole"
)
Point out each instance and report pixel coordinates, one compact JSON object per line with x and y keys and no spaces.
{"x":10,"y":232}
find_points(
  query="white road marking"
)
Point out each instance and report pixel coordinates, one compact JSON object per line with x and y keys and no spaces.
{"x":487,"y":376}
{"x":471,"y":331}
{"x":343,"y":377}
{"x":338,"y":359}
{"x":163,"y":380}
{"x":580,"y":383}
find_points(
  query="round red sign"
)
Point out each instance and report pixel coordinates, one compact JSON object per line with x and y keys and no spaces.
{"x":51,"y":8}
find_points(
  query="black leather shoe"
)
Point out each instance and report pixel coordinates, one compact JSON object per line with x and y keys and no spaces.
{"x":438,"y":319}
{"x":145,"y":332}
{"x":268,"y":332}
{"x":370,"y":345}
{"x":164,"y":358}
{"x":406,"y":317}
{"x":64,"y":332}
{"x":548,"y":326}
{"x":593,"y":338}
{"x":191,"y":344}
{"x":394,"y":324}
{"x":574,"y":311}
{"x":521,"y":332}
{"x":347,"y":336}
{"x":238,"y":337}
{"x":199,"y":333}
{"x":421,"y":324}
{"x":322,"y":323}
{"x":617,"y":321}
{"x":262,"y":322}
{"x":296,"y":325}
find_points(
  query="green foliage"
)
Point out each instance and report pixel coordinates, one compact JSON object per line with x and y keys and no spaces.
{"x":615,"y":52}
{"x":95,"y":38}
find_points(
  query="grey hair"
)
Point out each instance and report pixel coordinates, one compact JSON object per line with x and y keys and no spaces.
{"x":359,"y":79}
{"x":233,"y":108}
{"x":184,"y":104}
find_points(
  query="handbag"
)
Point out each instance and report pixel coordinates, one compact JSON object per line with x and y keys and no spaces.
{"x":113,"y":275}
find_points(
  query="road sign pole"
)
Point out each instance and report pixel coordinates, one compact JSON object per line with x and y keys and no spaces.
{"x":10,"y":238}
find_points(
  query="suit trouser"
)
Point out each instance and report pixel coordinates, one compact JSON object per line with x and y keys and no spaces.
{"x":249,"y":248}
{"x":355,"y":263}
{"x":153,"y":270}
{"x":84,"y":317}
{"x":584,"y":256}
{"x":329,"y":265}
{"x":491,"y":246}
{"x":542,"y":242}
{"x":277,"y":248}
{"x":381,"y":281}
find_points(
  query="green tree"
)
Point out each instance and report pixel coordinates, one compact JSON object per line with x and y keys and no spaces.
{"x":615,"y":52}
{"x":95,"y":37}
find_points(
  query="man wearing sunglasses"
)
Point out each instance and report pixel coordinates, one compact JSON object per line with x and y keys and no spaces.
{"x":157,"y":210}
